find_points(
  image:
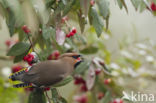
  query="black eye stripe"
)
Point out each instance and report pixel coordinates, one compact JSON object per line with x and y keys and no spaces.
{"x":76,"y":56}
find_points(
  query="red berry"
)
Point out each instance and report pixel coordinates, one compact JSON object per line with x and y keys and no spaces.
{"x":8,"y":42}
{"x":71,"y":34}
{"x":50,"y":57}
{"x":74,"y":30}
{"x":25,"y":29}
{"x":29,"y":89}
{"x":153,"y":6}
{"x":97,"y":71}
{"x":92,"y":2}
{"x":47,"y":89}
{"x":82,"y":99}
{"x":107,"y":81}
{"x":64,"y":19}
{"x":56,"y":54}
{"x":16,"y":68}
{"x":79,"y":80}
{"x":68,"y":35}
{"x":83,"y":88}
{"x":115,"y":101}
{"x":25,"y":58}
{"x":100,"y":95}
{"x":121,"y":101}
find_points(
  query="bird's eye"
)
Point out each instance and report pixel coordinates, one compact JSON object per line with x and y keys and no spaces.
{"x":76,"y":56}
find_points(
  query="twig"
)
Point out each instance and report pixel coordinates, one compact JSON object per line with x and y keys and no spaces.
{"x":4,"y":58}
{"x":47,"y":97}
{"x":32,"y":46}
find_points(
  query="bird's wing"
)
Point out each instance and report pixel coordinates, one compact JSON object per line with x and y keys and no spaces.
{"x":45,"y":73}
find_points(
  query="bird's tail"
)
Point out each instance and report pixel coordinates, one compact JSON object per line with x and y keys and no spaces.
{"x":23,"y":85}
{"x":15,"y":76}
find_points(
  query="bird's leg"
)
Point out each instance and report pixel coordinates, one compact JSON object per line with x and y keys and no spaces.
{"x":47,"y":97}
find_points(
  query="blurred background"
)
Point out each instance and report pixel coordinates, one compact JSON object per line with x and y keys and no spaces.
{"x":130,"y":50}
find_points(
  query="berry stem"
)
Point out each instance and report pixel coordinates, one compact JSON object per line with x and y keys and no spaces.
{"x":32,"y":46}
{"x":47,"y":97}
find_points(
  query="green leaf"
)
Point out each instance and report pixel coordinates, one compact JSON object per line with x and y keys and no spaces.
{"x":68,"y":7}
{"x":96,"y":21}
{"x":56,"y":97}
{"x":11,"y":23}
{"x":107,"y":97}
{"x":82,"y":67}
{"x":37,"y":96}
{"x":18,"y":49}
{"x":47,"y":32}
{"x":80,"y":38}
{"x":64,"y":82}
{"x":136,"y":3}
{"x":142,"y":6}
{"x":103,"y":7}
{"x":89,"y":50}
{"x":120,"y":4}
{"x":20,"y":57}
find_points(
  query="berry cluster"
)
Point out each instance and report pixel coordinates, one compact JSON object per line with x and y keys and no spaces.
{"x":54,"y":56}
{"x":29,"y":58}
{"x":153,"y":6}
{"x":25,"y":29}
{"x":71,"y":33}
{"x":80,"y":81}
{"x":16,"y":68}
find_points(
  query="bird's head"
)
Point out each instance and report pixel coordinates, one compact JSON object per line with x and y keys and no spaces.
{"x":73,"y":58}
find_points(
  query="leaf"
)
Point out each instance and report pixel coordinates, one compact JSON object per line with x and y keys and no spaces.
{"x":96,"y":21}
{"x":90,"y":80}
{"x":20,"y":57}
{"x":120,"y":4}
{"x":37,"y":96}
{"x":47,"y":32}
{"x":80,"y":38}
{"x":64,"y":82}
{"x":136,"y":3}
{"x":124,"y":4}
{"x":103,"y":7}
{"x":60,"y":36}
{"x":89,"y":50}
{"x":142,"y":6}
{"x":82,"y":67}
{"x":56,"y":97}
{"x":18,"y":49}
{"x":68,"y":7}
{"x":11,"y":23}
{"x":107,"y":97}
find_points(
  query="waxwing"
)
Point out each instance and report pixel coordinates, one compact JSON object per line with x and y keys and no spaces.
{"x":48,"y":72}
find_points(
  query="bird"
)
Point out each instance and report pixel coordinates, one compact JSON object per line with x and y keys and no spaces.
{"x":47,"y":73}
